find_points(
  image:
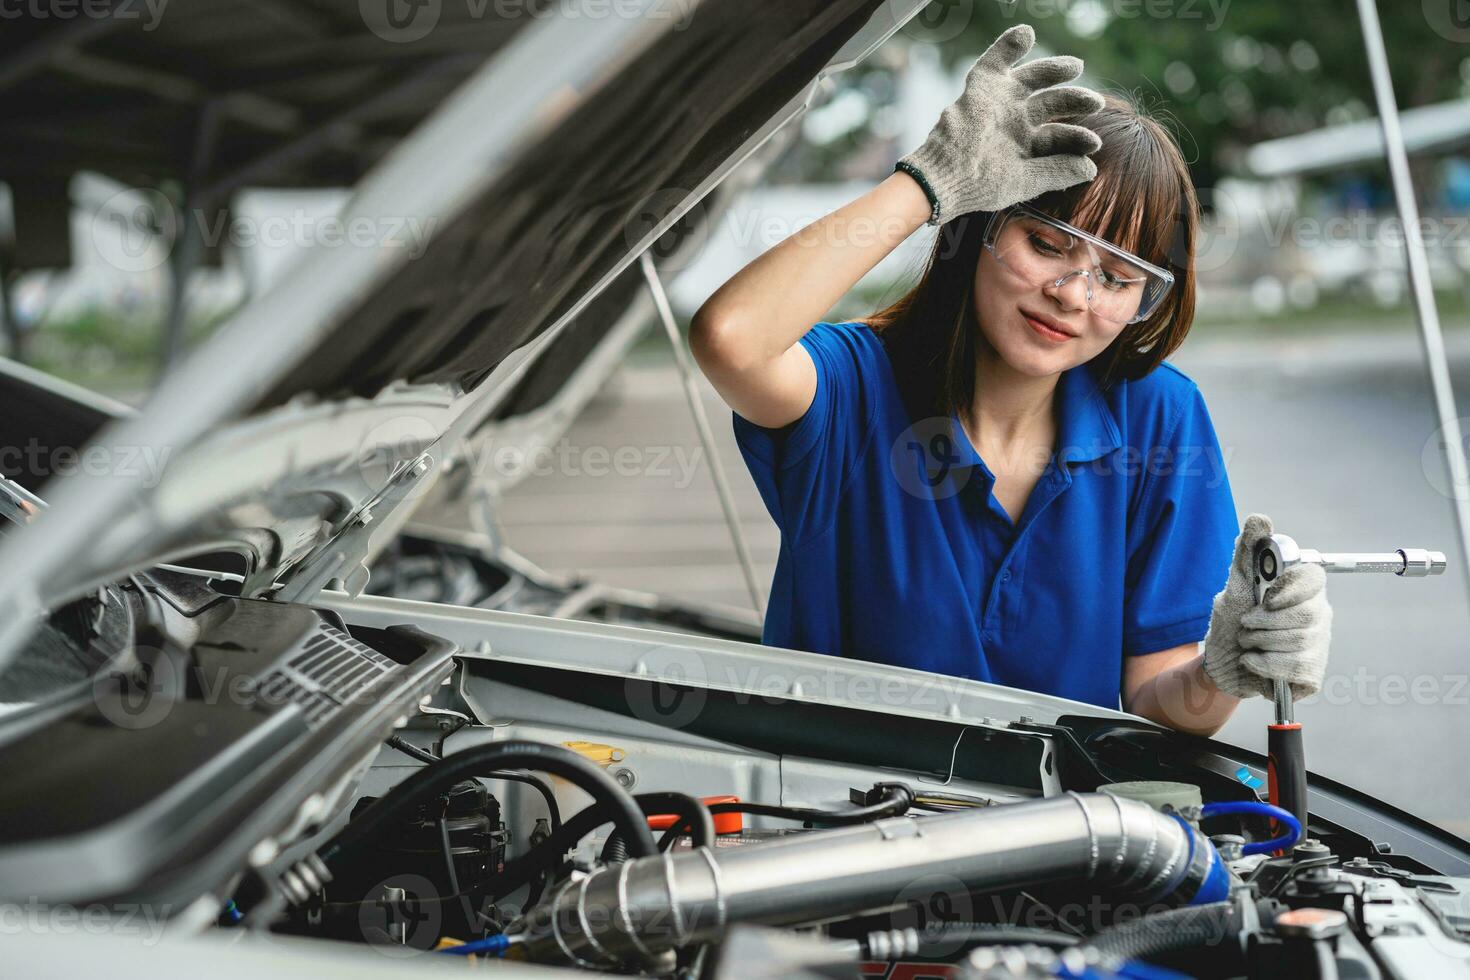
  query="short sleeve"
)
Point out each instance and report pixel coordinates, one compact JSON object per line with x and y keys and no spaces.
{"x":1182,"y":536}
{"x":800,"y":469}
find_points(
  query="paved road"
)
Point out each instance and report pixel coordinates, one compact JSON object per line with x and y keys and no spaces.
{"x":1325,"y":435}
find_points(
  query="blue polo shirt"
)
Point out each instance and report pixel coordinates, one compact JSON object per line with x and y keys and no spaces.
{"x":894,"y":549}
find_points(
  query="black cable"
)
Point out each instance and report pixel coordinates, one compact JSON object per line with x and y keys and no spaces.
{"x":481,"y":760}
{"x":529,"y":778}
{"x":1299,"y":866}
{"x":448,"y":855}
{"x":896,"y":801}
{"x":409,"y":749}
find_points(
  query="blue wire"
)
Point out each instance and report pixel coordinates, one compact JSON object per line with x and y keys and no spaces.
{"x":1283,"y":817}
{"x":494,"y":946}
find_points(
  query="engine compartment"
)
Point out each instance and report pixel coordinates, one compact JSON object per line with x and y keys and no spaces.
{"x":407,"y":777}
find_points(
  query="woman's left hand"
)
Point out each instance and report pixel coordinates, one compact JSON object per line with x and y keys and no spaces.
{"x":1286,"y":637}
{"x":1250,"y":646}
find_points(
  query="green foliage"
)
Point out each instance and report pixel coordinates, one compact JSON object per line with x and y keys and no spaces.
{"x":1258,"y":70}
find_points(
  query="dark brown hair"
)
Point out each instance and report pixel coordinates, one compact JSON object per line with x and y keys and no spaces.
{"x":1142,"y":200}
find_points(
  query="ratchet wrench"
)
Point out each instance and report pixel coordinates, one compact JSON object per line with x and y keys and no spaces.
{"x":1286,"y":768}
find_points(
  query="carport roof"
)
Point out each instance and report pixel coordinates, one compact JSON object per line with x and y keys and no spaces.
{"x":285,"y":93}
{"x":1426,"y":129}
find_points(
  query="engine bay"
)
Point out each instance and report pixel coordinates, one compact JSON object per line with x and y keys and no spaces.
{"x":406,"y":777}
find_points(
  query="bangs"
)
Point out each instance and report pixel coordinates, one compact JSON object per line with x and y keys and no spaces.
{"x":1135,"y":202}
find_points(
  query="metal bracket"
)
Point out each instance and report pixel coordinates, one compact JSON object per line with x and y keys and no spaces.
{"x":343,"y":557}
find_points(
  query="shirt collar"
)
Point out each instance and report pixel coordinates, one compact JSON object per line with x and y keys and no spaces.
{"x":1086,"y":427}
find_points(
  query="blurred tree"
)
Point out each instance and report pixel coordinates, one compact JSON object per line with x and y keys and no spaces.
{"x":1229,"y":74}
{"x":1221,"y":74}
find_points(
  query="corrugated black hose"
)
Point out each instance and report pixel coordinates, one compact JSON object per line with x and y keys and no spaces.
{"x":484,"y":760}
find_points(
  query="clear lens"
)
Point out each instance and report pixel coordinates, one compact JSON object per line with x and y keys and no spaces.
{"x":1040,"y":253}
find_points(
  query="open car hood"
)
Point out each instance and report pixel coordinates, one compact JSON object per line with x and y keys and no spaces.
{"x":301,"y":435}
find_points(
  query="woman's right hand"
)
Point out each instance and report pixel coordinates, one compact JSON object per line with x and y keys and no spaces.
{"x":994,"y":146}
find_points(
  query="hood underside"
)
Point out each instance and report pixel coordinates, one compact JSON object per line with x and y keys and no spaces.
{"x":577,"y":146}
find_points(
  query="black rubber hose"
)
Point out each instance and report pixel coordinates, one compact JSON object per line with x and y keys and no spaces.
{"x":896,"y":802}
{"x":1191,"y":927}
{"x":482,"y":760}
{"x":692,"y":813}
{"x":615,"y":851}
{"x":529,"y":778}
{"x":546,"y":854}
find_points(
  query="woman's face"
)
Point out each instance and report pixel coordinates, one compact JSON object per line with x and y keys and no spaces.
{"x":1037,"y":330}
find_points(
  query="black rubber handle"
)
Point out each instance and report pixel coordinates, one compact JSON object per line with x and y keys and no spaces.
{"x":1286,"y":770}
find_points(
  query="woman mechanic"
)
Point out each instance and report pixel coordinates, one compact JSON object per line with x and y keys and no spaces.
{"x":998,"y":476}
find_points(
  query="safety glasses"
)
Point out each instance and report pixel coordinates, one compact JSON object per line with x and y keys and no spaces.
{"x":1041,"y":250}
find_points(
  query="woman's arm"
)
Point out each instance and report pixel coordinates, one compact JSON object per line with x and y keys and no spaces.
{"x":1172,"y":688}
{"x":745,"y":335}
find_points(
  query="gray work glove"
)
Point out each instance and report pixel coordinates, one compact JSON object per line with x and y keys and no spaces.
{"x":1248,"y":648}
{"x":994,"y":147}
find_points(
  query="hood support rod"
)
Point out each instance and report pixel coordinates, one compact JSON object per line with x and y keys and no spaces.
{"x":701,"y":422}
{"x":1425,"y":309}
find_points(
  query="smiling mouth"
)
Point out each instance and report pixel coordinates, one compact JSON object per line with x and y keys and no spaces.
{"x":1044,"y":329}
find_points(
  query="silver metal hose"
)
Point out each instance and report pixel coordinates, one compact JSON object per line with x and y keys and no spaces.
{"x":638,"y":909}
